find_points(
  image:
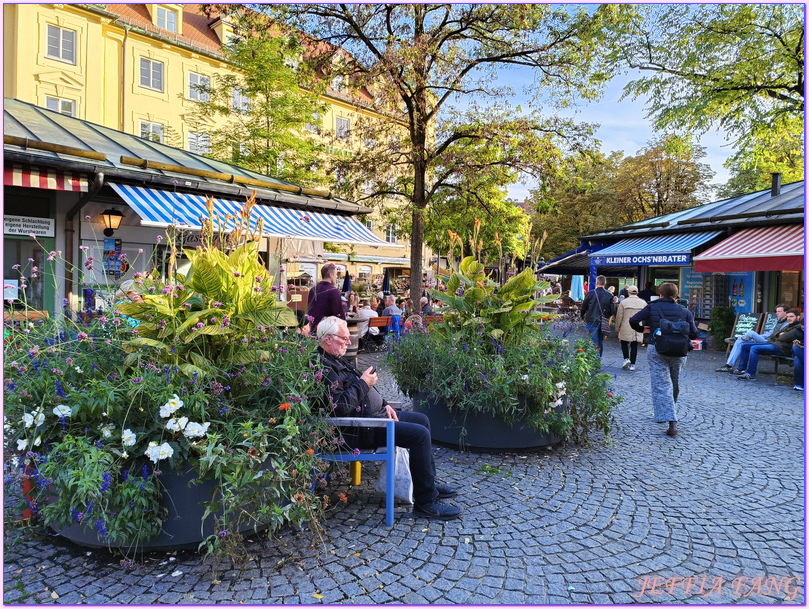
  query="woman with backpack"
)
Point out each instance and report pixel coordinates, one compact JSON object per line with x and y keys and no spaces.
{"x":671,"y":328}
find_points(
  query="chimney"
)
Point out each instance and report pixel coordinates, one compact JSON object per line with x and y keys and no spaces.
{"x":776,"y":185}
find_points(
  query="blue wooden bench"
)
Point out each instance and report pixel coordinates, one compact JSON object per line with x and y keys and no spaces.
{"x":389,"y":457}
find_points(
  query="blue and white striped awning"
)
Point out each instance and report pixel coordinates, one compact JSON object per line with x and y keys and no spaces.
{"x":659,"y":244}
{"x":161,"y":208}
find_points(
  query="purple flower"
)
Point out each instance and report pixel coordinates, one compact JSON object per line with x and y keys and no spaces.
{"x":81,"y":336}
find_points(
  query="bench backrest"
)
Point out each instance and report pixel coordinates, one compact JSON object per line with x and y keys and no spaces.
{"x":379,"y":322}
{"x":428,"y":319}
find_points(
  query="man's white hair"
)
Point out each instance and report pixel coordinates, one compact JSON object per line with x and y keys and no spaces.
{"x":329,"y":326}
{"x":423,"y":301}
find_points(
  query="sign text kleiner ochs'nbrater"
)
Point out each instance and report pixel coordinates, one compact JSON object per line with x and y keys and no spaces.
{"x":641,"y":259}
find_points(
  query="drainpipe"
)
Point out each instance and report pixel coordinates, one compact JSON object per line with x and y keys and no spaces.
{"x":776,"y":185}
{"x":69,"y":250}
{"x":123,"y":78}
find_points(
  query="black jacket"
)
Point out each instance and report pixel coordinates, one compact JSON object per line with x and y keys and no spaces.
{"x":784,"y":337}
{"x":349,"y":395}
{"x":650,"y":316}
{"x":590,"y":310}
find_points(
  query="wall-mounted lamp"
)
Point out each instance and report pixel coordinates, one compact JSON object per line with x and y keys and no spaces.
{"x":112,"y":220}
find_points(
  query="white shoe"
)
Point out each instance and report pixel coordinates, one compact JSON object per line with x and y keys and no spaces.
{"x":626,"y":364}
{"x":632,"y":367}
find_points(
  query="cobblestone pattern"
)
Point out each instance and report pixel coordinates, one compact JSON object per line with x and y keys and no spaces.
{"x":722,"y":502}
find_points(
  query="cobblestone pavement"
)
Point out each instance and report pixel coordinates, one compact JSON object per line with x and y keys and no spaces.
{"x":722,"y":504}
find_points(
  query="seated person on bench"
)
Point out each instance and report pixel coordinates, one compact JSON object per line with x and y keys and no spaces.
{"x":365,"y":333}
{"x":797,"y":359}
{"x":750,"y":338}
{"x":353,"y":395}
{"x":778,"y":344}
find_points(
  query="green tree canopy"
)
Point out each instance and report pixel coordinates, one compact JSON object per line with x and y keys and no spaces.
{"x":269,"y":119}
{"x":735,"y":66}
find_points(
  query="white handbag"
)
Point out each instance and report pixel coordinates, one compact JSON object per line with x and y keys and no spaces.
{"x":402,"y":480}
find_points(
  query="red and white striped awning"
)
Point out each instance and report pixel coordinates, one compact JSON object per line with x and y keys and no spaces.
{"x":43,"y":177}
{"x":769,"y":248}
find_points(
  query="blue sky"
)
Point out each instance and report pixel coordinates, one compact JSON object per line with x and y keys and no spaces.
{"x":624,"y":126}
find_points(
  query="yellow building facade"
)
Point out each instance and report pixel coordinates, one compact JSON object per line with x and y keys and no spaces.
{"x":133,"y":68}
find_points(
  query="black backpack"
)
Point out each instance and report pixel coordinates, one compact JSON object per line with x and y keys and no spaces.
{"x":671,"y":337}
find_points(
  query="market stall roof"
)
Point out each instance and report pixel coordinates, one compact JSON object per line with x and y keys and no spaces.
{"x":124,"y":158}
{"x":656,"y":245}
{"x":768,"y":248}
{"x":577,"y":262}
{"x":163,"y":208}
{"x":786,"y":206}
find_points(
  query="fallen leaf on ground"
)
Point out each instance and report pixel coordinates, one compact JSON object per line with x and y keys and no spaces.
{"x":54,"y":596}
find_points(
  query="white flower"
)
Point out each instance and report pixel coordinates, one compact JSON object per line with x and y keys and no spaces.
{"x":170,"y":407}
{"x":28,"y":419}
{"x":38,"y":441}
{"x":176,"y":424}
{"x":40,"y":419}
{"x":196,"y":430}
{"x":62,"y":411}
{"x":524,"y":377}
{"x":79,"y":370}
{"x":124,"y":455}
{"x":156,"y":453}
{"x":561,"y":385}
{"x":22,"y":444}
{"x":128,"y":437}
{"x":106,"y":430}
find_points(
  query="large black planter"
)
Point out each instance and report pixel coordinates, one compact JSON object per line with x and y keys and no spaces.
{"x":184,"y":527}
{"x":483,"y":431}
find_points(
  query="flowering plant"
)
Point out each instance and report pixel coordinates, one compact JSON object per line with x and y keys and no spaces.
{"x":494,"y":352}
{"x":97,"y":426}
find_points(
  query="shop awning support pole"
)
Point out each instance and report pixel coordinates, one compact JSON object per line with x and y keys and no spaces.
{"x":69,"y":230}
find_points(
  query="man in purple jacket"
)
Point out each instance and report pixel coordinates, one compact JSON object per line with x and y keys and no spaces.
{"x":325,"y":299}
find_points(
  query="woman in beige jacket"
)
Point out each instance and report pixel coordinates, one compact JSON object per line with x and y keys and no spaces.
{"x":628,"y":337}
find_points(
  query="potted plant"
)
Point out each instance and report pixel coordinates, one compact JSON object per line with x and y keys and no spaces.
{"x":495,"y":373}
{"x":186,"y":430}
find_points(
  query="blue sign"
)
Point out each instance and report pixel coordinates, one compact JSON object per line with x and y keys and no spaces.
{"x":641,"y":260}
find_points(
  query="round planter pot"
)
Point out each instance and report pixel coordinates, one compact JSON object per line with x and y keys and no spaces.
{"x":184,"y":527}
{"x":484,"y":431}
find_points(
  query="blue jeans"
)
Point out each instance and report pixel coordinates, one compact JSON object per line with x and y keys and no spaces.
{"x":755,"y":352}
{"x":797,"y":357}
{"x":749,"y":338}
{"x":594,"y":330}
{"x":664,"y":373}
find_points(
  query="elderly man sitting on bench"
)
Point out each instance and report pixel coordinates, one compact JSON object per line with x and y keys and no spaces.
{"x":354,"y":395}
{"x":750,"y":338}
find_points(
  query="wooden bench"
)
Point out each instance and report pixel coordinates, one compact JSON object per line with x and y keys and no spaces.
{"x":30,"y":315}
{"x":429,"y":319}
{"x":783,"y":359}
{"x":389,"y":457}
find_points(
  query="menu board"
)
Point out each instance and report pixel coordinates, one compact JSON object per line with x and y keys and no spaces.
{"x":744,"y":323}
{"x":769,"y":322}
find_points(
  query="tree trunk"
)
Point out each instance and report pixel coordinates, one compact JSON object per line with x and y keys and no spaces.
{"x":416,"y":263}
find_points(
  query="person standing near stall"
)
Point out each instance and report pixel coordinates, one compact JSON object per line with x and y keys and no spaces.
{"x":626,"y":334}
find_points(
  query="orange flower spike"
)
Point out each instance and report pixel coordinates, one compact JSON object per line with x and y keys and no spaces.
{"x":477,"y":224}
{"x":284,"y":406}
{"x":343,"y":498}
{"x":311,"y":451}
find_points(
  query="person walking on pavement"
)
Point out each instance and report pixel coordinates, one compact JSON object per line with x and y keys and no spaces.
{"x":664,"y":370}
{"x":629,"y":338}
{"x":597,"y":303}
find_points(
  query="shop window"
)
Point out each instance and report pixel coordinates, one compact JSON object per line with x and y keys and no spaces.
{"x":390,"y":233}
{"x":198,"y":86}
{"x":167,"y":19}
{"x":791,"y":291}
{"x":18,"y":252}
{"x":61,"y":44}
{"x":63,"y":106}
{"x":151,"y":74}
{"x":369,"y":224}
{"x":151,"y":131}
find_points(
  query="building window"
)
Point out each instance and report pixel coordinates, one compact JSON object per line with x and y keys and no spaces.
{"x":367,"y":187}
{"x":151,"y":131}
{"x":62,"y":44}
{"x":199,"y":143}
{"x":63,"y":106}
{"x":390,"y":233}
{"x":241,"y":103}
{"x":338,"y":83}
{"x":167,"y":19}
{"x":342,"y":128}
{"x":369,"y":224}
{"x":151,"y":74}
{"x":198,"y":86}
{"x":314,"y":125}
{"x":239,"y":152}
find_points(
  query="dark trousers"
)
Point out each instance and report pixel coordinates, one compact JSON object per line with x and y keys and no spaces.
{"x":630,"y":350}
{"x":413,"y":432}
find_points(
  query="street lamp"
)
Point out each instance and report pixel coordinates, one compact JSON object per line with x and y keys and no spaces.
{"x":112,"y":220}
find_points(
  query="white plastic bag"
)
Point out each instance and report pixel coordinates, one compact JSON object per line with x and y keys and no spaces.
{"x":402,"y":481}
